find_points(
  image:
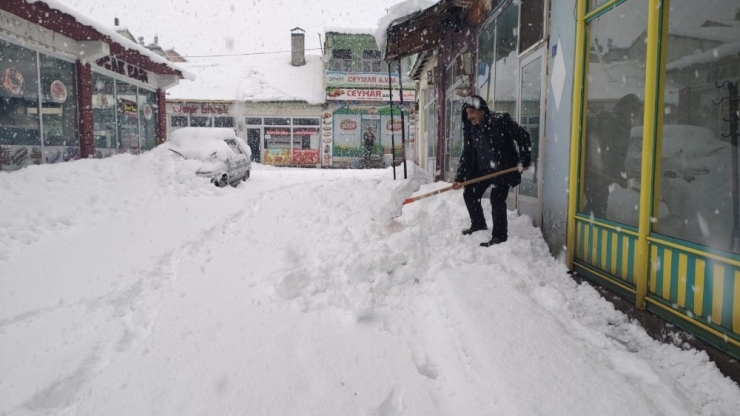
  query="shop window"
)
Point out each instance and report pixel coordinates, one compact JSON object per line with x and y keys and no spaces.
{"x":59,"y":110}
{"x":148,"y":115}
{"x":341,"y":60}
{"x":696,"y":177}
{"x":432,"y":121}
{"x":371,"y":61}
{"x":616,"y":84}
{"x":595,"y":4}
{"x":277,"y":137}
{"x":223,"y":122}
{"x":531,"y":29}
{"x":254,"y":121}
{"x":306,"y":138}
{"x":275,"y":121}
{"x":200,"y":121}
{"x":486,"y":49}
{"x":20,"y":142}
{"x":178,"y":121}
{"x":104,"y":115}
{"x":506,"y":60}
{"x":128,"y":118}
{"x":306,"y":121}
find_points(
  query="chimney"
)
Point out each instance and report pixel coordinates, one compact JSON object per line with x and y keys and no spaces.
{"x":115,"y":21}
{"x":141,"y":40}
{"x":156,"y":40}
{"x":298,"y":46}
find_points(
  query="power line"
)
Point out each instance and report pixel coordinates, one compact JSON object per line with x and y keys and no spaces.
{"x":244,"y":54}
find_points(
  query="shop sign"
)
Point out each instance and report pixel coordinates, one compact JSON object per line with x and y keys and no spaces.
{"x":360,"y":80}
{"x":355,"y":94}
{"x":123,"y":68}
{"x":305,"y":132}
{"x":200,"y":109}
{"x":58,"y":91}
{"x":148,"y":111}
{"x":127,"y":107}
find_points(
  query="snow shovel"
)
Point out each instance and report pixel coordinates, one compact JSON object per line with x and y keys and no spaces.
{"x":466,"y":183}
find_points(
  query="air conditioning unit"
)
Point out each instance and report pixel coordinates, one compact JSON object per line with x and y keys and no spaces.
{"x":433,"y":76}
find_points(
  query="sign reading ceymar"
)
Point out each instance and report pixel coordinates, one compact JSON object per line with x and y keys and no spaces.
{"x":363,"y":80}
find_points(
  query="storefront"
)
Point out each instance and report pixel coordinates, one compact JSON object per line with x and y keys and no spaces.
{"x":360,"y":129}
{"x":279,"y":133}
{"x":38,"y":100}
{"x":73,"y":91}
{"x":654,"y":214}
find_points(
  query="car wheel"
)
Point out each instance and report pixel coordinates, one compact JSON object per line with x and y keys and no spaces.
{"x":223,"y":181}
{"x":246,"y":176}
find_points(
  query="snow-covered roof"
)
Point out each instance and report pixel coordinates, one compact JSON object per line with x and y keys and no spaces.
{"x":253,"y":78}
{"x":396,"y":12}
{"x":350,"y":30}
{"x":706,"y":56}
{"x":113,"y":35}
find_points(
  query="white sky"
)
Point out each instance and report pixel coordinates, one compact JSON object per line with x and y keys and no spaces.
{"x":201,"y":27}
{"x":131,"y":287}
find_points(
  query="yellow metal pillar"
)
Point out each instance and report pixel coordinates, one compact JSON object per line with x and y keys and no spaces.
{"x":652,"y":133}
{"x":577,"y":118}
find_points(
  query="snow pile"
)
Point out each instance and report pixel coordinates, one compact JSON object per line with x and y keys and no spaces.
{"x":201,"y":143}
{"x":131,"y":286}
{"x":392,"y":194}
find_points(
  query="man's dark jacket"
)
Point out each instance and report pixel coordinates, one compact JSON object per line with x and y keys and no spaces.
{"x":509,"y":144}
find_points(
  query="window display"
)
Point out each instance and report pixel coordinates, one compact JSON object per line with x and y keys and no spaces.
{"x":128,"y":118}
{"x":506,"y":61}
{"x":104,"y":116}
{"x":148,"y":116}
{"x":616,"y":84}
{"x":698,"y":171}
{"x":59,"y":110}
{"x":20,"y":141}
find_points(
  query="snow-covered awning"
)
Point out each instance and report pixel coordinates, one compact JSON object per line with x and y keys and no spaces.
{"x":60,"y":18}
{"x":416,"y":25}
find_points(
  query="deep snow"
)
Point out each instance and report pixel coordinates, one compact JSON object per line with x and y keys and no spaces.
{"x":132,"y":287}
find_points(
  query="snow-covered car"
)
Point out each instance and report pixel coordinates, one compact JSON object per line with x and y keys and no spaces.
{"x":227,"y":159}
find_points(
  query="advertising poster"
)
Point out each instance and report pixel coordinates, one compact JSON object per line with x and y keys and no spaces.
{"x":392,"y":132}
{"x":305,"y":156}
{"x":276,"y":157}
{"x":326,"y":139}
{"x":347,"y":135}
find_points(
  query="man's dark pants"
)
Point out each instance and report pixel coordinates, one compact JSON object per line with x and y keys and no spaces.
{"x":500,"y":190}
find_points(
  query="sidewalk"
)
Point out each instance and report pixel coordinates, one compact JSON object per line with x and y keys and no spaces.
{"x":665,"y":332}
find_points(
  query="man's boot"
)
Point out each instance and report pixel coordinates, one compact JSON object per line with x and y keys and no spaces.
{"x":474,"y":228}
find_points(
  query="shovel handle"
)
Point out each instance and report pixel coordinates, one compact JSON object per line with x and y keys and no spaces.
{"x":466,"y":183}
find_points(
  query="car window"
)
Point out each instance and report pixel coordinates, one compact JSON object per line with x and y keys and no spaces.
{"x":234,"y":146}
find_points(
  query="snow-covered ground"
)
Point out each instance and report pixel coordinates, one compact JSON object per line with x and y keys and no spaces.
{"x":128,"y":286}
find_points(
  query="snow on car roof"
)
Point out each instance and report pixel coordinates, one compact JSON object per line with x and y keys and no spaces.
{"x":202,"y":143}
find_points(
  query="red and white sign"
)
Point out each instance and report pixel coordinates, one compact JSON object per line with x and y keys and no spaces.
{"x":58,"y":91}
{"x":395,"y":126}
{"x":348,"y":125}
{"x":354,"y":94}
{"x":148,"y":111}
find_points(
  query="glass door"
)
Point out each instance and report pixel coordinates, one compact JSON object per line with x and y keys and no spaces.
{"x":531,"y":115}
{"x":254,"y":138}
